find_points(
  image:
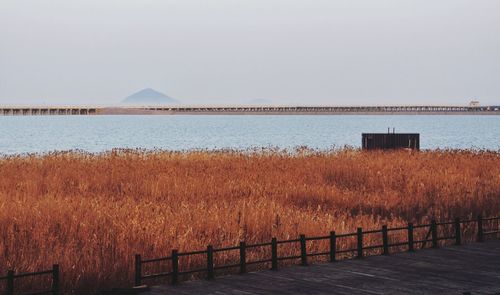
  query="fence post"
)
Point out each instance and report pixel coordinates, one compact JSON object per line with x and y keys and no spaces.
{"x":10,"y":282}
{"x":274,"y":254}
{"x":360,"y":242}
{"x":434,"y":234}
{"x":385,"y":240}
{"x":458,"y":232}
{"x":303,"y":250}
{"x":333,"y":246}
{"x":138,"y":270}
{"x":243,"y":257}
{"x":175,"y":267}
{"x":55,"y":279}
{"x":410,"y":237}
{"x":210,"y":262}
{"x":480,"y":228}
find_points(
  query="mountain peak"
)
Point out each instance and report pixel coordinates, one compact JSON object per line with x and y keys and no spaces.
{"x":149,"y":96}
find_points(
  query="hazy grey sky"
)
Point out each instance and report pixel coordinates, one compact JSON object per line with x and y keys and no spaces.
{"x":233,"y":51}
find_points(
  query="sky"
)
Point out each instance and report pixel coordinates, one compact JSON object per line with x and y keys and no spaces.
{"x":328,"y":52}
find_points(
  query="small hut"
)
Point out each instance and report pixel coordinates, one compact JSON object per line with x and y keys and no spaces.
{"x":373,"y":141}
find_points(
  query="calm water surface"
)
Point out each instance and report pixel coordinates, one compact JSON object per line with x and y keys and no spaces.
{"x":101,"y":133}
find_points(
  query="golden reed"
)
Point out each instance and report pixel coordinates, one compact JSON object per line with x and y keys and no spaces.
{"x":91,"y":213}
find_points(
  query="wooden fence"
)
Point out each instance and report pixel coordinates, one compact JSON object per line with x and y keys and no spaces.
{"x":332,"y":254}
{"x":12,"y":276}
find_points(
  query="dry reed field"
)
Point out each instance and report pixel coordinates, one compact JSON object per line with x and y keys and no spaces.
{"x":91,"y":213}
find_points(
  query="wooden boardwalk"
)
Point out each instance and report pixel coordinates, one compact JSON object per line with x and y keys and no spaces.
{"x":473,"y":268}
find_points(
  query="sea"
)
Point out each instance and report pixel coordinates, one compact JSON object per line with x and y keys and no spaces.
{"x":95,"y":134}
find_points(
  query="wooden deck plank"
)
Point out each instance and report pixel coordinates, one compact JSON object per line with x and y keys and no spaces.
{"x":453,"y":270}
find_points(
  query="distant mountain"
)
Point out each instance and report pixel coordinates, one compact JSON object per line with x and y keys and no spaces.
{"x":149,"y":96}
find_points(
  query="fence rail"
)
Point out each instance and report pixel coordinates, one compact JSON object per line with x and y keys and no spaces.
{"x":11,"y":277}
{"x":361,"y":249}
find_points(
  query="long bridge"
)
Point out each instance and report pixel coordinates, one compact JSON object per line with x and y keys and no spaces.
{"x":244,"y":110}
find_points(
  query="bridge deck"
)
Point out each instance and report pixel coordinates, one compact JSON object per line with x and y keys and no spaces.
{"x":471,"y":268}
{"x":244,"y":110}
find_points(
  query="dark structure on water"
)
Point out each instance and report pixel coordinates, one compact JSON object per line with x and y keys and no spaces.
{"x":372,"y":141}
